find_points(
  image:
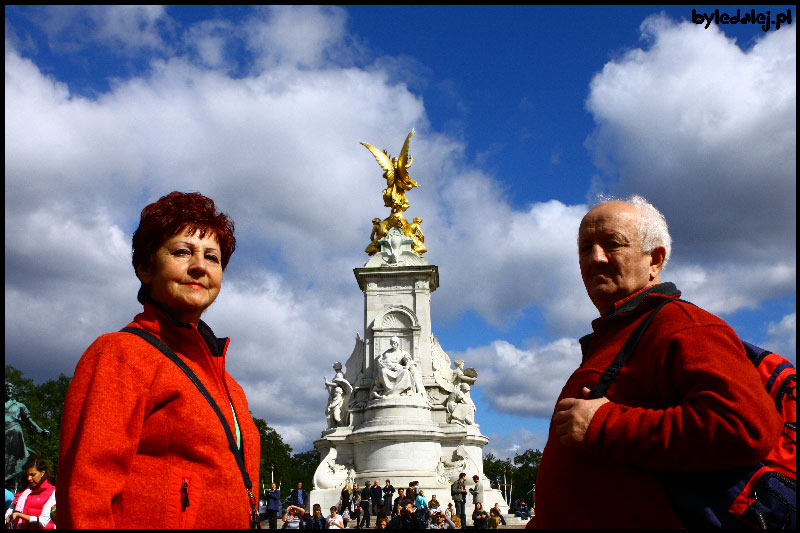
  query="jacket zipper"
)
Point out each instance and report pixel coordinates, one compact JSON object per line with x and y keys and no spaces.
{"x":184,"y":494}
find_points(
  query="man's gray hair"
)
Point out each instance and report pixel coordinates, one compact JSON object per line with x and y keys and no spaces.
{"x":653,"y":229}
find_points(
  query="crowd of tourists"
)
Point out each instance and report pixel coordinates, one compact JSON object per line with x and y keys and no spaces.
{"x":385,"y":507}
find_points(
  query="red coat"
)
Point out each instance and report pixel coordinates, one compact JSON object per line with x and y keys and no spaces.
{"x":138,"y":437}
{"x":38,"y":504}
{"x":688,"y":399}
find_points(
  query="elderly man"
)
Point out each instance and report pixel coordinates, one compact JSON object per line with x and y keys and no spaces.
{"x":376,"y":492}
{"x":688,"y":400}
{"x":274,"y":505}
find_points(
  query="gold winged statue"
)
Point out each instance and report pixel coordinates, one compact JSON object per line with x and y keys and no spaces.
{"x":395,"y":172}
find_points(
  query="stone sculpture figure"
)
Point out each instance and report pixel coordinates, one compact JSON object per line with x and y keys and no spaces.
{"x":395,"y":172}
{"x":16,"y":450}
{"x":460,"y":408}
{"x":331,"y":474}
{"x":468,"y":376}
{"x":459,"y":461}
{"x":338,"y":390}
{"x":457,"y":383}
{"x":465,"y":377}
{"x":397,"y":374}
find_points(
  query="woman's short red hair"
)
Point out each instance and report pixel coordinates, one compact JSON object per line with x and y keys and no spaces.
{"x":178,"y":211}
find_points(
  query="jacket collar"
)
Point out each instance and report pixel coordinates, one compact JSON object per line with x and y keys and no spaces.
{"x":158,"y":320}
{"x":639,"y":301}
{"x":43,"y":487}
{"x":632,"y":302}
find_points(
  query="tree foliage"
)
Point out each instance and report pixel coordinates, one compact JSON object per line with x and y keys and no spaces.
{"x":520,"y":472}
{"x":278,"y":462}
{"x":46,"y":403}
{"x":276,"y":455}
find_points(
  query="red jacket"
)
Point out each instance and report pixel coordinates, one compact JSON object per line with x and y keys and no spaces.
{"x":138,"y":438}
{"x":688,"y":400}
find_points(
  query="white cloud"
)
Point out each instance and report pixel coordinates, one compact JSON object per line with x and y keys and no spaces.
{"x":782,"y":337}
{"x":126,"y":29}
{"x":525,"y":257}
{"x":506,"y":446}
{"x":296,"y":35}
{"x":524,"y":382}
{"x":707,"y":132}
{"x":68,"y":278}
{"x":210,"y":40}
{"x":710,"y":287}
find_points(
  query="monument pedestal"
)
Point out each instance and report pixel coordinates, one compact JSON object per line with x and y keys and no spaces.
{"x":408,"y":415}
{"x":399,"y":411}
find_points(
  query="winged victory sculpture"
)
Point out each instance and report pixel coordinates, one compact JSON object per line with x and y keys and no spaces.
{"x":395,"y":172}
{"x":398,"y":182}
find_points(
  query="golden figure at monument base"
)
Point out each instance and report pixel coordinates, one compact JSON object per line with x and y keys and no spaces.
{"x":398,"y":181}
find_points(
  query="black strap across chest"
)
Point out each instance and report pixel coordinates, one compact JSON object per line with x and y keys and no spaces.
{"x":624,"y":355}
{"x":166,"y":350}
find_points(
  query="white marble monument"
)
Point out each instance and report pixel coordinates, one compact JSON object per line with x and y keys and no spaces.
{"x":400,"y":410}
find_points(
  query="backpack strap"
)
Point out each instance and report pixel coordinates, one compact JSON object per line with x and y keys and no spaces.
{"x":610,"y":373}
{"x":166,"y":350}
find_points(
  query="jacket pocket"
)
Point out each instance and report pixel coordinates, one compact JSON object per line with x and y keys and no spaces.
{"x":184,"y":497}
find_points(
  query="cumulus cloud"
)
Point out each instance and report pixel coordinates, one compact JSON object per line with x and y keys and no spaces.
{"x":297,"y":35}
{"x":126,"y":29}
{"x":707,"y":132}
{"x":277,"y":150}
{"x":525,"y":256}
{"x":506,"y":446}
{"x":782,"y":337}
{"x":68,"y":277}
{"x":274,"y":141}
{"x":524,"y":382}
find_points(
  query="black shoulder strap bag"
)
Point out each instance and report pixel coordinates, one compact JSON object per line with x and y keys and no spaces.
{"x":255,"y":522}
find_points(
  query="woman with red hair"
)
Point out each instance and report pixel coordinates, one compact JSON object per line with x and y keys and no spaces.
{"x":141,"y":446}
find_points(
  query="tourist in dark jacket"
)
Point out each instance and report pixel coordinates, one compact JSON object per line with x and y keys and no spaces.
{"x":376,"y":494}
{"x":366,"y":494}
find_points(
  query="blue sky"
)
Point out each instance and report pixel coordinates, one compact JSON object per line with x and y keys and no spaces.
{"x":522,"y":115}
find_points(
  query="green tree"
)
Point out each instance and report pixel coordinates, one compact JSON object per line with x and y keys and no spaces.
{"x":527,"y":468}
{"x":46,"y":404}
{"x":494,"y":468}
{"x":276,"y":455}
{"x":277,"y":459}
{"x":521,"y":472}
{"x":304,"y":465}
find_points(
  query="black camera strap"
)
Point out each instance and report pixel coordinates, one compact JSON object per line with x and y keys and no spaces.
{"x":237,"y":453}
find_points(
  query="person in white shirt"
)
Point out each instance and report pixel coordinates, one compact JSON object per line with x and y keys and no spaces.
{"x":334,"y":521}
